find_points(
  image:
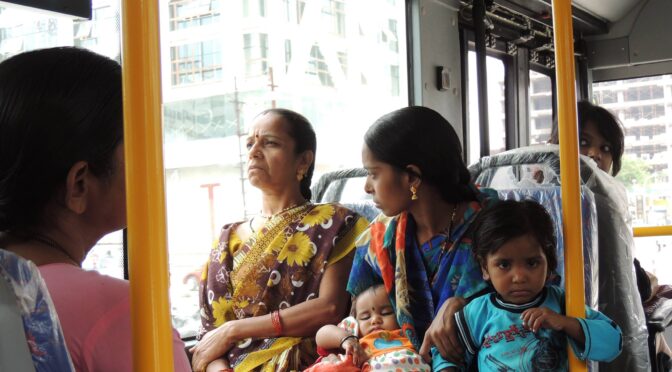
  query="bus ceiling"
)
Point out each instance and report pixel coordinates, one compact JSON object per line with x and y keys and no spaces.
{"x":618,"y":38}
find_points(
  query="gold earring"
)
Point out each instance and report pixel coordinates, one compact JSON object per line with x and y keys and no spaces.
{"x":299,"y":176}
{"x":414,"y":195}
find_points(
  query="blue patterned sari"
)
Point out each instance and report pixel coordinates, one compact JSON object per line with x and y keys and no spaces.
{"x":418,"y":278}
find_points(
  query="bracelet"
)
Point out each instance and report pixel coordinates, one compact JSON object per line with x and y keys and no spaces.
{"x":277,"y":324}
{"x":346,"y":338}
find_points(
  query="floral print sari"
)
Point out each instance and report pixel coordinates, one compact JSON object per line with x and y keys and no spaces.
{"x":279,"y":266}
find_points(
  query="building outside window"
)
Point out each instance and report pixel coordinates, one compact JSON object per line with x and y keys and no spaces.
{"x":189,"y":13}
{"x":196,"y":62}
{"x":644,"y":107}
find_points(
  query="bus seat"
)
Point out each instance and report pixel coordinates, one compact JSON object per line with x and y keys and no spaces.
{"x":550,"y":198}
{"x":347,"y":188}
{"x":31,"y":338}
{"x":618,"y":297}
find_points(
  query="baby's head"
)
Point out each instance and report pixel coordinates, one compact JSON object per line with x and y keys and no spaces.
{"x":373,"y":311}
{"x":514,"y":242}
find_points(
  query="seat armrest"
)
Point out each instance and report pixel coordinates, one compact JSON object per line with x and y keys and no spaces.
{"x":661,"y":317}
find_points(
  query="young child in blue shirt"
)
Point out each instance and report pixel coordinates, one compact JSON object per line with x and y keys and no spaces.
{"x":522,"y":326}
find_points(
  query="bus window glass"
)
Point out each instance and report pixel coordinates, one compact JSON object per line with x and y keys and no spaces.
{"x":341,"y":63}
{"x":644,"y":106}
{"x":496,"y":108}
{"x":22,"y":30}
{"x":541,"y":108}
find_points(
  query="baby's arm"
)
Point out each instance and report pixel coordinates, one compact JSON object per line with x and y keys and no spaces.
{"x":218,"y":365}
{"x":543,"y":317}
{"x":333,"y":337}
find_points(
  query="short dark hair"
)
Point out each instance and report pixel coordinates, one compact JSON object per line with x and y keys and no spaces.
{"x":422,"y":137}
{"x":58,"y":106}
{"x":301,"y":131}
{"x":607,"y":124}
{"x":510,"y":219}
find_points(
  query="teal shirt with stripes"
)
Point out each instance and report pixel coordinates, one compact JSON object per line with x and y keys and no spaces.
{"x":493,"y":336}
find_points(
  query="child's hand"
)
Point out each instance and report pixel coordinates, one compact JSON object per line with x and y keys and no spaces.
{"x":352,"y":347}
{"x":218,"y":365}
{"x":543,"y":317}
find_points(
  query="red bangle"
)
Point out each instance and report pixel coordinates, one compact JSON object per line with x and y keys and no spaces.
{"x":277,"y":324}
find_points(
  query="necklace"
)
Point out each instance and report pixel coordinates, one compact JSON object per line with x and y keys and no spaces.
{"x":452,"y":220}
{"x":266,"y":216}
{"x":53,"y":244}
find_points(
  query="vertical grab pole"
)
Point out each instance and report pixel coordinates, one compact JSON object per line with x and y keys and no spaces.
{"x":563,"y":37}
{"x":148,"y":258}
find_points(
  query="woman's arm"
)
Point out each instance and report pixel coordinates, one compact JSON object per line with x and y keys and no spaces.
{"x":300,"y":320}
{"x":306,"y":318}
{"x":442,"y":333}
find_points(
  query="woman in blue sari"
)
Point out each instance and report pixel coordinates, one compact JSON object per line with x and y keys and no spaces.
{"x":420,"y":246}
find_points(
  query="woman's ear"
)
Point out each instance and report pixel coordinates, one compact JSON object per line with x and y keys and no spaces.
{"x":77,"y":187}
{"x":305,"y":160}
{"x":414,"y":175}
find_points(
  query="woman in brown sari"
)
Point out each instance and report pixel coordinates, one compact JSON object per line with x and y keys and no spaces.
{"x":274,"y":280}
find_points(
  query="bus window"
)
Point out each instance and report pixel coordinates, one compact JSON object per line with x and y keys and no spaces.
{"x":341,"y":63}
{"x":644,"y":106}
{"x":23,"y":29}
{"x":496,"y":108}
{"x":541,"y":107}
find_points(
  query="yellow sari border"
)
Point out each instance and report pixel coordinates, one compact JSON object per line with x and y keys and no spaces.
{"x":257,"y":358}
{"x":347,"y":243}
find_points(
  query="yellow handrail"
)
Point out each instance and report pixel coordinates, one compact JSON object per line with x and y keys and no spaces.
{"x":148,"y":258}
{"x":569,"y":165}
{"x":651,"y":231}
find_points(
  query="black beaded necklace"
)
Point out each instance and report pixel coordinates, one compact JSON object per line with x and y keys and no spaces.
{"x":53,"y":244}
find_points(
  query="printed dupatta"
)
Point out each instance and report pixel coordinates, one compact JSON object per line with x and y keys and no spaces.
{"x":279,"y":266}
{"x":388,"y":253}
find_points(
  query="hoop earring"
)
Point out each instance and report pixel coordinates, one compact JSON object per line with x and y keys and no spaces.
{"x":414,"y":195}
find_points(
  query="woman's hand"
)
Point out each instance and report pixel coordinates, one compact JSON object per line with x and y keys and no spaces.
{"x":352,"y":347}
{"x":213,"y":345}
{"x":442,"y":333}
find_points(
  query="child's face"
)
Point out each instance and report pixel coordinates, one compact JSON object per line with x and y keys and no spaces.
{"x":518,"y":269}
{"x":595,"y":146}
{"x":374,"y":312}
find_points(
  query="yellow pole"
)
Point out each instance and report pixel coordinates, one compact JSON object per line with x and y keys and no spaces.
{"x":652,"y":231}
{"x":569,"y":165}
{"x":148,"y":258}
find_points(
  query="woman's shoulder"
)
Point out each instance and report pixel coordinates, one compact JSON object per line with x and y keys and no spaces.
{"x":83,"y":282}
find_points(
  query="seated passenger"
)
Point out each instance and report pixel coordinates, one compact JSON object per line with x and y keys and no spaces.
{"x":382,"y":346}
{"x":62,"y":189}
{"x":275,"y":279}
{"x":420,"y":247}
{"x":600,"y":136}
{"x":522,"y":326}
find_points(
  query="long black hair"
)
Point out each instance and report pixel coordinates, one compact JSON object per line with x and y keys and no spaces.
{"x":422,"y":137}
{"x":301,"y":131}
{"x":58,"y":106}
{"x":510,"y":219}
